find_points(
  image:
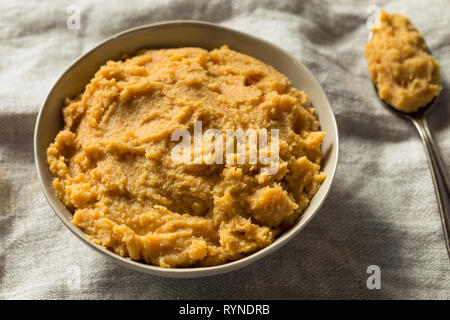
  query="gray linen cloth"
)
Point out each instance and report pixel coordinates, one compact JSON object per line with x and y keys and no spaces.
{"x":382,"y":209}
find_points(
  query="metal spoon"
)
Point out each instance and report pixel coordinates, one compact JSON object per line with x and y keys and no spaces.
{"x":438,"y":172}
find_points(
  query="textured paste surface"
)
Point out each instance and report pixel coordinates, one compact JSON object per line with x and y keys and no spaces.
{"x":112,"y":161}
{"x":406,"y":75}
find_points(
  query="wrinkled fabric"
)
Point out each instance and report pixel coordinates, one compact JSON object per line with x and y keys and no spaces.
{"x":382,"y":209}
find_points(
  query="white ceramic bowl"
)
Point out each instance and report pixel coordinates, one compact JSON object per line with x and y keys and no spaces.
{"x":179,"y":34}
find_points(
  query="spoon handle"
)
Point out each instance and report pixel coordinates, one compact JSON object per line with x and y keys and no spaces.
{"x":438,"y":173}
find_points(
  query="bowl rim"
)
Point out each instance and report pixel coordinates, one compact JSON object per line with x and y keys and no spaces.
{"x":193,"y":272}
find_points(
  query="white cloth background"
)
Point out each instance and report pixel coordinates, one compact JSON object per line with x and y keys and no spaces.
{"x":382,"y":209}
